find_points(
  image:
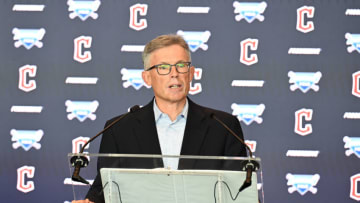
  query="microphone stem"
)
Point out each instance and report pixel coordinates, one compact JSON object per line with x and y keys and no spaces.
{"x":76,"y":174}
{"x":234,"y":134}
{"x":107,"y":127}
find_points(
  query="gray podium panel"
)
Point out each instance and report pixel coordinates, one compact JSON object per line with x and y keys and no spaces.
{"x":185,"y":186}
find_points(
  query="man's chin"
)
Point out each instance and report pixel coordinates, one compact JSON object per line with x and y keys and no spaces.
{"x":174,"y":99}
{"x":177,"y":100}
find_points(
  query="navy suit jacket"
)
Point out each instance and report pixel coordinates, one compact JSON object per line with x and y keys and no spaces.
{"x":136,"y":134}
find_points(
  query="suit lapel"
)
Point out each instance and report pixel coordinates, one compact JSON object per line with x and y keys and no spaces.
{"x":145,"y":130}
{"x":146,"y":134}
{"x":194,"y":134}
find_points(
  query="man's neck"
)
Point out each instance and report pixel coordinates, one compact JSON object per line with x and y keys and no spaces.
{"x":172,"y":109}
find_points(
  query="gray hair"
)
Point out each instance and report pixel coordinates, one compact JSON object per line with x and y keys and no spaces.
{"x":161,"y":42}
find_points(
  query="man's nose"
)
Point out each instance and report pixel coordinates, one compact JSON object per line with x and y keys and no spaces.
{"x":173,"y":71}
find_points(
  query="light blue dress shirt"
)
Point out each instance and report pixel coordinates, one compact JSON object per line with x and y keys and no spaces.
{"x":171,"y":134}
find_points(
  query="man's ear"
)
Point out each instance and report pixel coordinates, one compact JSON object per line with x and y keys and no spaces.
{"x":146,"y":77}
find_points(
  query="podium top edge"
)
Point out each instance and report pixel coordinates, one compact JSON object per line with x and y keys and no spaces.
{"x":163,"y":156}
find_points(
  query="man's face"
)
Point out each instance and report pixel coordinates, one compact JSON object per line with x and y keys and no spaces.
{"x":175,"y":86}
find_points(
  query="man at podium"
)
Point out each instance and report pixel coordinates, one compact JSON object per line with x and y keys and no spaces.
{"x":170,"y":124}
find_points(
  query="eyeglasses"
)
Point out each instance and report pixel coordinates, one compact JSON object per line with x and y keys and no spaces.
{"x":164,"y":69}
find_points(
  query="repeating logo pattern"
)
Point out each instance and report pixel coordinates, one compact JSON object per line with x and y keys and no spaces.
{"x":353,"y":40}
{"x":300,"y":115}
{"x":251,"y":144}
{"x":80,"y":43}
{"x":248,"y":113}
{"x":81,"y":109}
{"x":83,"y":9}
{"x":245,"y":46}
{"x":352,"y":144}
{"x":135,"y":11}
{"x":133,"y":78}
{"x":354,"y":189}
{"x":196,"y":39}
{"x":356,"y":84}
{"x":28,"y":37}
{"x":302,"y":183}
{"x":26,"y":139}
{"x":196,"y":88}
{"x":25,"y":84}
{"x":249,"y":11}
{"x":303,"y":13}
{"x":78,"y":143}
{"x":304,"y":81}
{"x":25,"y":173}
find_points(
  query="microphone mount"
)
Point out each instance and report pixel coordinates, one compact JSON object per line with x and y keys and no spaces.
{"x":250,"y":165}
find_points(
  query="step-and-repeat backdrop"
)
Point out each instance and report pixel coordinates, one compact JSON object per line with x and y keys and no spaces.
{"x":288,"y":69}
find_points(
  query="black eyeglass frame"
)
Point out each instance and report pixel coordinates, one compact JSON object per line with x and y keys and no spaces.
{"x":171,"y":65}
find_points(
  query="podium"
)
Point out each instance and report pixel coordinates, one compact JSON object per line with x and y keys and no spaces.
{"x":130,"y":178}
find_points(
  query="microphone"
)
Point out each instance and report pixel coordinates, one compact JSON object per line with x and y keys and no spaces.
{"x":248,"y":166}
{"x":81,"y":161}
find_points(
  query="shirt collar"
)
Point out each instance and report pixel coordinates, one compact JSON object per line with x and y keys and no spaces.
{"x":158,"y":113}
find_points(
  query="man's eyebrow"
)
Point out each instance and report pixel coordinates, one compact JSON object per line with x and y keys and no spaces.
{"x":180,"y":61}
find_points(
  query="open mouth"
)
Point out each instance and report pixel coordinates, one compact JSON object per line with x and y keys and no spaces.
{"x":174,"y":86}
